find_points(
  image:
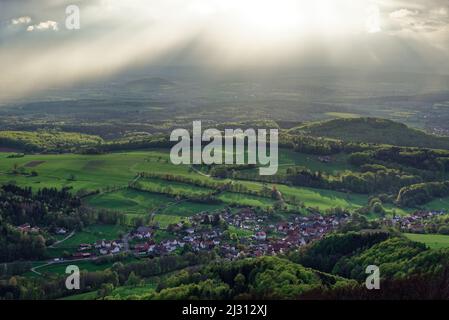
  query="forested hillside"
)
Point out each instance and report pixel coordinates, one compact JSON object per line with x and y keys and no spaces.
{"x":50,"y":141}
{"x":373,"y":130}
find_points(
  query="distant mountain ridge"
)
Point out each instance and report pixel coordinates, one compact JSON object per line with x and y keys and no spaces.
{"x":148,"y":83}
{"x":373,"y":130}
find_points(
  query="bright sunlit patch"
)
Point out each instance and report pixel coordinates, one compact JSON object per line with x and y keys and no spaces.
{"x":263,"y":15}
{"x":278,"y":17}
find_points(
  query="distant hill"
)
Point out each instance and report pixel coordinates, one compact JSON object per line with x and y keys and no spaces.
{"x":373,"y":130}
{"x":148,"y":84}
{"x":432,"y":97}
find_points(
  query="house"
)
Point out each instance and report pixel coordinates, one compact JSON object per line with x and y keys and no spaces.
{"x":260,"y":236}
{"x":24,"y":227}
{"x":151,"y":248}
{"x":143,"y":247}
{"x":80,"y":255}
{"x":115,"y":250}
{"x":35,"y":230}
{"x":61,"y":231}
{"x":144,"y":229}
{"x":99,"y":244}
{"x":84,"y":247}
{"x":325,"y":159}
{"x":143,"y":233}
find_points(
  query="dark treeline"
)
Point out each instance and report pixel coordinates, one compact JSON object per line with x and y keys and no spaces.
{"x":317,"y":145}
{"x":429,"y":286}
{"x":128,"y":144}
{"x":422,"y":193}
{"x":369,"y":181}
{"x":47,"y":140}
{"x":425,"y":159}
{"x":324,"y":255}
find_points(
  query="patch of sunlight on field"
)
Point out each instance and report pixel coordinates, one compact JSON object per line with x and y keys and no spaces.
{"x":88,"y":171}
{"x":343,"y":115}
{"x":433,"y":241}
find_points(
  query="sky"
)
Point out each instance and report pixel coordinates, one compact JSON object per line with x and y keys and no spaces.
{"x":38,"y":51}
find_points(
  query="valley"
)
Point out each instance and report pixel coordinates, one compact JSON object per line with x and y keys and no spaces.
{"x":90,"y":182}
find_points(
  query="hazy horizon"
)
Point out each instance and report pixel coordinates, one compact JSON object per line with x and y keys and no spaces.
{"x":37,"y":52}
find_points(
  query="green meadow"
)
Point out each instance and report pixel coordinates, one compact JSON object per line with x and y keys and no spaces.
{"x":123,"y":291}
{"x":60,"y":268}
{"x":188,"y":208}
{"x":131,"y":202}
{"x":102,"y":172}
{"x":88,"y":172}
{"x":289,"y":158}
{"x":246,"y":200}
{"x":433,"y":241}
{"x":438,"y":204}
{"x":176,"y":187}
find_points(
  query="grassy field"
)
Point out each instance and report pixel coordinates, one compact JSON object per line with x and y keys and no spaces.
{"x":289,"y":158}
{"x":131,"y":202}
{"x":344,"y":115}
{"x":322,"y":199}
{"x":438,"y":204}
{"x":181,"y":188}
{"x":123,"y":291}
{"x":246,"y":200}
{"x":60,"y":268}
{"x":433,"y":241}
{"x":91,"y":172}
{"x":96,"y":172}
{"x":164,"y":220}
{"x":135,"y":203}
{"x":185,"y":209}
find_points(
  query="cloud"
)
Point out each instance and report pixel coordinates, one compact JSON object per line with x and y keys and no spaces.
{"x":403,"y":13}
{"x":220,"y":34}
{"x":46,"y":25}
{"x":441,"y":11}
{"x":423,"y":20}
{"x":21,"y":20}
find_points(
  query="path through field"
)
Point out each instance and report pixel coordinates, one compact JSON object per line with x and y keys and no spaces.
{"x":62,"y":240}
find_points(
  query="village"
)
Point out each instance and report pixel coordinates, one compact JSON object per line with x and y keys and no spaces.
{"x":244,"y":233}
{"x":413,"y":223}
{"x":233,"y":234}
